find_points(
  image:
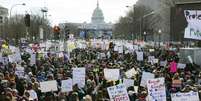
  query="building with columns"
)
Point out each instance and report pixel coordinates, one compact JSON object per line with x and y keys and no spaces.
{"x":97,"y":28}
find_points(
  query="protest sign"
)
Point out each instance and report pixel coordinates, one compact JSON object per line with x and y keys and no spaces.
{"x":14,"y":57}
{"x":155,"y":61}
{"x":19,"y":71}
{"x":181,"y":65}
{"x":111,"y":74}
{"x":48,"y":86}
{"x":14,"y":49}
{"x":150,"y":58}
{"x":118,"y":93}
{"x":79,"y":77}
{"x":189,"y":96}
{"x":33,"y":59}
{"x":146,"y":76}
{"x":193,"y":29}
{"x":128,"y":82}
{"x":139,"y":56}
{"x":130,"y":73}
{"x":163,"y":63}
{"x":4,"y":60}
{"x":67,"y":85}
{"x":156,"y":89}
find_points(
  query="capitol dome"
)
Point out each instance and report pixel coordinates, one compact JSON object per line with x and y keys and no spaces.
{"x":97,"y":16}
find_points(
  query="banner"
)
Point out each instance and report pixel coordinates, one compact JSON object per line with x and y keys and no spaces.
{"x":79,"y":77}
{"x":111,"y":74}
{"x":156,"y":89}
{"x":146,"y":76}
{"x":193,"y":29}
{"x":118,"y":93}
{"x":190,"y":96}
{"x":48,"y":86}
{"x":67,"y":85}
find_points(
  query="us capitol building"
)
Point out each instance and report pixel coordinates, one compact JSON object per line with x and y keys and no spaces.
{"x":97,"y":28}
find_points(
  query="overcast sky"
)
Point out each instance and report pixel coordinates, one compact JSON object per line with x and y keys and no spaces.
{"x":71,"y":10}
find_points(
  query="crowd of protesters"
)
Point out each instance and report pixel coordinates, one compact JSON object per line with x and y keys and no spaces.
{"x":53,"y":67}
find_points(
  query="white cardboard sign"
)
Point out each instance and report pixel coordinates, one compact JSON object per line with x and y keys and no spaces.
{"x":48,"y":86}
{"x":79,"y":77}
{"x":189,"y":96}
{"x":156,"y":89}
{"x":146,"y":76}
{"x":67,"y":85}
{"x":112,"y":74}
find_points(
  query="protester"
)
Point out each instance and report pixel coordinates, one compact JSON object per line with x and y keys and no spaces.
{"x":20,"y":80}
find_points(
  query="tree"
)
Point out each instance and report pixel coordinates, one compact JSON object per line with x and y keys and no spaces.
{"x":134,"y":23}
{"x":15,"y":27}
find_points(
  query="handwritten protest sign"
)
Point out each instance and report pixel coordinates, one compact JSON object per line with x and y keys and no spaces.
{"x":181,"y":65}
{"x":128,"y":82}
{"x":118,"y":93}
{"x":111,"y":74}
{"x":146,"y":76}
{"x":48,"y":86}
{"x":79,"y":77}
{"x":189,"y":96}
{"x":130,"y":73}
{"x":156,"y":89}
{"x":139,"y":56}
{"x":67,"y":85}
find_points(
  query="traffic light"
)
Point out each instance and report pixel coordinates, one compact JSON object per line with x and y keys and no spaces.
{"x":67,"y":32}
{"x":27,"y":20}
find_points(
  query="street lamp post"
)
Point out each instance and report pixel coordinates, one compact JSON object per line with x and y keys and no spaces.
{"x":159,"y":39}
{"x":145,"y":33}
{"x":23,"y":4}
{"x":133,"y":22}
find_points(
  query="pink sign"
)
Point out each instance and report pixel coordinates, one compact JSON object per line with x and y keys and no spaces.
{"x":173,"y":67}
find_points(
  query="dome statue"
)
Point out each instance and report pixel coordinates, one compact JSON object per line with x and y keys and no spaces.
{"x":97,"y":16}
